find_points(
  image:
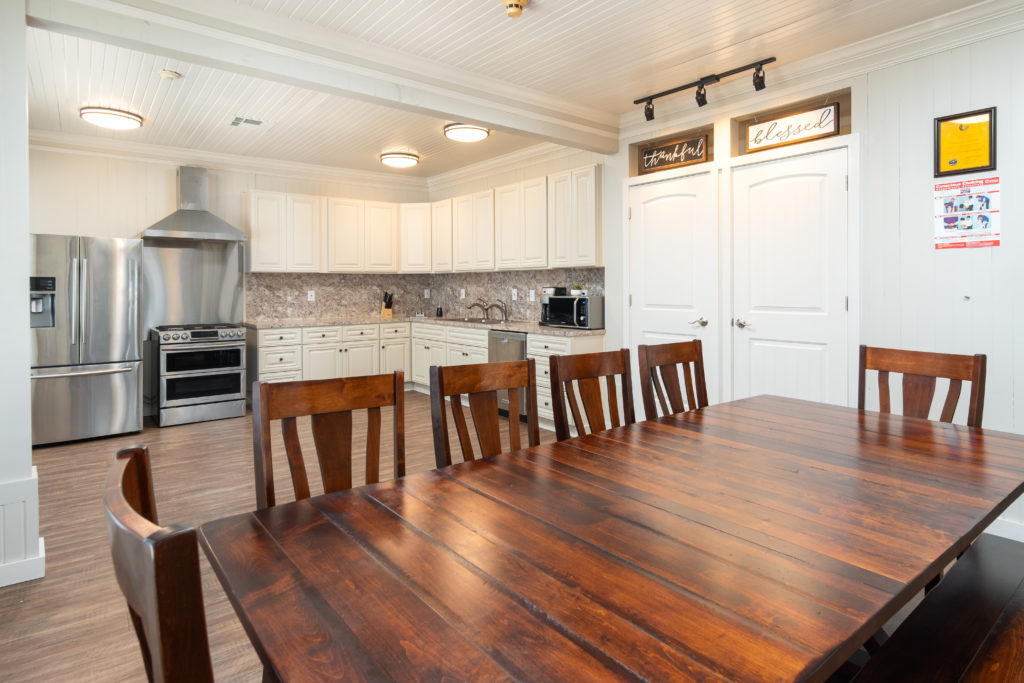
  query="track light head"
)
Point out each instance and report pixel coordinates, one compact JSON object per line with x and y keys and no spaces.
{"x":701,"y":96}
{"x":759,"y":78}
{"x":649,"y":110}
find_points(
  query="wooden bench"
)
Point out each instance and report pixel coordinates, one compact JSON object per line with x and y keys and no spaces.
{"x":969,"y":628}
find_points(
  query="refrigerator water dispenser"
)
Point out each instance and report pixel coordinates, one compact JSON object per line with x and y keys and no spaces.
{"x":41,"y":295}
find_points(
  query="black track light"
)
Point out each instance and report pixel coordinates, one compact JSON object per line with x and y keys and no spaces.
{"x":759,"y":78}
{"x":649,"y":110}
{"x":702,"y":95}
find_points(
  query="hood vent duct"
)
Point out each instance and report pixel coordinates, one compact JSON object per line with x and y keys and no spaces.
{"x":192,"y":220}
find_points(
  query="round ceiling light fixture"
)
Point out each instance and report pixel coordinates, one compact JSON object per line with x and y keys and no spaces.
{"x":465,"y":132}
{"x":110,"y":118}
{"x":514,"y":8}
{"x":399,"y":159}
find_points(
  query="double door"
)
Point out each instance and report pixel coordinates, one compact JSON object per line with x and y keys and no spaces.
{"x":348,"y":359}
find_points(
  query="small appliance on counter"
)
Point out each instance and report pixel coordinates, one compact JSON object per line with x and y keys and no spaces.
{"x":582,"y":312}
{"x":553,"y":291}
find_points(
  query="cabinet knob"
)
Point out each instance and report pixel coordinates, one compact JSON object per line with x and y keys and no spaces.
{"x":281,"y":337}
{"x":546,"y":346}
{"x":323,"y":334}
{"x":361,"y":332}
{"x":280,"y":360}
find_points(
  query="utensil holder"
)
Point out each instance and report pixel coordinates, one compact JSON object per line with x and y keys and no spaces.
{"x":385,"y":313}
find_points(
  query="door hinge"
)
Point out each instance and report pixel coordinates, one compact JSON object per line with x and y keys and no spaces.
{"x":629,"y":215}
{"x":630,"y":299}
{"x":847,"y":303}
{"x":847,"y":183}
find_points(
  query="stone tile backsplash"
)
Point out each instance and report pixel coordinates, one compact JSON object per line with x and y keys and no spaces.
{"x":284,"y":295}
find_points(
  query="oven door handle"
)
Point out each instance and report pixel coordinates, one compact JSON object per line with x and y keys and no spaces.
{"x":184,"y":348}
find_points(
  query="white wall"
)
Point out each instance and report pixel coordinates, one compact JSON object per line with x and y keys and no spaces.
{"x":21,"y":549}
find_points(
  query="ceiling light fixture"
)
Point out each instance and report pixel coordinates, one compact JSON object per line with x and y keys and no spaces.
{"x":110,"y":118}
{"x":399,"y":159}
{"x":514,"y":8}
{"x":465,"y":132}
{"x":702,"y":97}
{"x":169,"y":74}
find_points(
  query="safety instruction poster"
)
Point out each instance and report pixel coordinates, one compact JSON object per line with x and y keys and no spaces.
{"x":967,"y":213}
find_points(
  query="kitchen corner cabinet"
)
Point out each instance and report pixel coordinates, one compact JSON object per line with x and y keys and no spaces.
{"x":473,"y":231}
{"x":285,"y":232}
{"x":414,"y":238}
{"x":441,"y":236}
{"x":521,"y":225}
{"x":574,"y":236}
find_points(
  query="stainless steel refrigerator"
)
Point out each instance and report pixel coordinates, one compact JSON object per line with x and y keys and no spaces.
{"x":84,"y":305}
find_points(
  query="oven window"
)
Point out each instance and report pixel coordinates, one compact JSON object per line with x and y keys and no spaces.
{"x":203,"y":386}
{"x":204,"y":359}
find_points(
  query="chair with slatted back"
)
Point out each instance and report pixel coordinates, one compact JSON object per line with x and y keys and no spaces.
{"x":157,"y":569}
{"x":920,"y":370}
{"x":577,"y":378}
{"x":659,"y":377}
{"x":329,"y":403}
{"x":481,"y":383}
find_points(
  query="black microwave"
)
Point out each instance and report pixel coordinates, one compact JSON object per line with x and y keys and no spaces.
{"x":585,"y":312}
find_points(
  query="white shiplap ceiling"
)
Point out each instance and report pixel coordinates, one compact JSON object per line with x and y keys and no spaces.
{"x":581,"y":60}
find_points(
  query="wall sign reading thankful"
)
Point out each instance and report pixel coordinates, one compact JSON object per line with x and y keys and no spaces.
{"x":807,"y":125}
{"x":673,"y":154}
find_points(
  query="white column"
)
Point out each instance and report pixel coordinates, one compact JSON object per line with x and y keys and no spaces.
{"x":21,"y":548}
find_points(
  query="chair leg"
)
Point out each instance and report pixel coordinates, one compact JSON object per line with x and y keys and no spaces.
{"x":933,"y":583}
{"x":269,"y":676}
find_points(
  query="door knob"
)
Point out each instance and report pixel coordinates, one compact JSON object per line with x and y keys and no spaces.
{"x":741,"y":323}
{"x":702,"y":321}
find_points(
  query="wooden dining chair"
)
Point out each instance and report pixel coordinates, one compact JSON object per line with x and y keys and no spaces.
{"x":581,"y":374}
{"x":481,"y":383}
{"x":659,"y":377}
{"x":329,"y":403}
{"x":157,"y":569}
{"x":920,"y":370}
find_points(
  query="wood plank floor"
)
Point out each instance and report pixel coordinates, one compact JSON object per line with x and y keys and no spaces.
{"x":73,"y":624}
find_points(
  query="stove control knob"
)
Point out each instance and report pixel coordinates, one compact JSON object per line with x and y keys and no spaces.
{"x":166,"y":337}
{"x":184,"y":335}
{"x":224,"y":334}
{"x":231,"y":333}
{"x":174,"y":336}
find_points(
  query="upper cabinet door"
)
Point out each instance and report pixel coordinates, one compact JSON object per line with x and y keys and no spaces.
{"x":535,"y":223}
{"x":560,"y":220}
{"x":508,"y":226}
{"x":483,"y":229}
{"x":268,"y":234}
{"x":414,"y":240}
{"x":586,"y":240}
{"x":346,"y":251}
{"x":441,"y":236}
{"x":305,"y":233}
{"x":463,"y":234}
{"x":381,"y":237}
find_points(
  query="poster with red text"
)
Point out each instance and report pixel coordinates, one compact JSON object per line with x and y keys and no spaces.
{"x":967,"y":213}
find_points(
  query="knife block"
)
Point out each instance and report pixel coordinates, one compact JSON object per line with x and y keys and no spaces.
{"x":385,"y":313}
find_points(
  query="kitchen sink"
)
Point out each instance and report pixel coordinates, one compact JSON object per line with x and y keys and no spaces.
{"x":475,"y":320}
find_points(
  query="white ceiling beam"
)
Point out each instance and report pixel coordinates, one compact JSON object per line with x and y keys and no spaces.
{"x":309,"y":57}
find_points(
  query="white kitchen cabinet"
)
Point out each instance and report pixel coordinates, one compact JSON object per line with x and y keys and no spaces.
{"x":381,"y":237}
{"x":483,"y":230}
{"x":463,"y":233}
{"x":414,"y":241}
{"x":574,"y":237}
{"x":394,"y":355}
{"x":305,"y":234}
{"x":535,"y":223}
{"x":441,"y":236}
{"x":460,"y":354}
{"x":268,"y":236}
{"x":425,"y":353}
{"x":321,"y":361}
{"x":521,"y":225}
{"x":360,"y":358}
{"x":346,"y":249}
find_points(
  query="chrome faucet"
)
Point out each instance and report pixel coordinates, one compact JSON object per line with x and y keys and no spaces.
{"x":501,"y":306}
{"x":483,"y":307}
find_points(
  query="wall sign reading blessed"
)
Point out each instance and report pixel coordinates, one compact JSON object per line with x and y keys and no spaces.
{"x":807,"y":125}
{"x":673,"y":154}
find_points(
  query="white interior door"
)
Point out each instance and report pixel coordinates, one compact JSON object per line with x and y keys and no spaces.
{"x":790,"y":278}
{"x":673,"y":274}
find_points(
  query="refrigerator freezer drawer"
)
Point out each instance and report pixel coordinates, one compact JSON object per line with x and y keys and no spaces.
{"x":85,"y":401}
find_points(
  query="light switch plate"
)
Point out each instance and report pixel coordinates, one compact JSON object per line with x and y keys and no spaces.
{"x":533,"y":295}
{"x":426,"y":293}
{"x":462,"y":293}
{"x":311,"y":295}
{"x":515,"y":294}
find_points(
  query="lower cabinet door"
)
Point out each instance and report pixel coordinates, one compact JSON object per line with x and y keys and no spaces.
{"x":394,"y":356}
{"x":361,"y":358}
{"x":321,"y":362}
{"x":421,"y":361}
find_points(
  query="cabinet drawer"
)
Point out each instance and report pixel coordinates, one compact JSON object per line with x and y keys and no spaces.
{"x":280,"y":376}
{"x":360,"y":332}
{"x":321,"y":335}
{"x":543,"y":369}
{"x":281,"y":337}
{"x":466,"y":335}
{"x":426,"y":331}
{"x":393,"y":330}
{"x":281,"y":359}
{"x":540,"y":345}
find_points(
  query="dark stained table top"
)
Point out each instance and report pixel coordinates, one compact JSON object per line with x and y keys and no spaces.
{"x":763,"y":539}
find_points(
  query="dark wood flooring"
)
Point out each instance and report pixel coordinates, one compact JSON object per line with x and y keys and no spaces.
{"x":73,"y":624}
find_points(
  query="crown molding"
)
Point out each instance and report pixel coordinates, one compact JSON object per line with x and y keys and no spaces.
{"x":544,"y":152}
{"x":836,"y":68}
{"x":179,"y":156}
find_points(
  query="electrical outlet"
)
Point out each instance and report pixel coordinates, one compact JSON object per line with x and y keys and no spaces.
{"x":311,"y":295}
{"x":462,"y":293}
{"x":533,"y":295}
{"x":426,"y":293}
{"x":515,"y":294}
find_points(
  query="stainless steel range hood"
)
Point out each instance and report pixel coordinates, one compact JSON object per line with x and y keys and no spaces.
{"x":192,"y":220}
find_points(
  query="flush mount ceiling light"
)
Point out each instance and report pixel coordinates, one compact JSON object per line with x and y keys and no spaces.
{"x":169,"y":74}
{"x":465,"y":132}
{"x":514,"y":8}
{"x":110,"y":118}
{"x":700,"y":83}
{"x":399,"y":159}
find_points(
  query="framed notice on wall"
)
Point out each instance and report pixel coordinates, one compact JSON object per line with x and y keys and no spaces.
{"x":965,"y":143}
{"x":673,"y":154}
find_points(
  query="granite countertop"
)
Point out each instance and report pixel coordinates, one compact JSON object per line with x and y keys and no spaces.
{"x":511,"y":325}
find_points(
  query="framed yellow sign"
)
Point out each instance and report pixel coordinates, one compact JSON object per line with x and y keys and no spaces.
{"x":965,"y":143}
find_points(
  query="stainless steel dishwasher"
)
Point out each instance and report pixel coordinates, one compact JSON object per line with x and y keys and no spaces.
{"x":504,"y":346}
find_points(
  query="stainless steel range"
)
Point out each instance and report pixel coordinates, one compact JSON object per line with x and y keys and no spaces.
{"x":201,"y":373}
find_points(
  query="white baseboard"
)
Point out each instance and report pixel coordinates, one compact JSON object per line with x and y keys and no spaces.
{"x":26,"y":569}
{"x":22,"y":552}
{"x":1007,"y":529}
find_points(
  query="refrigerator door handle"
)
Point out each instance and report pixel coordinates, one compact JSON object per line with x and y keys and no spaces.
{"x":83,"y":373}
{"x":73,"y":299}
{"x":85,"y":299}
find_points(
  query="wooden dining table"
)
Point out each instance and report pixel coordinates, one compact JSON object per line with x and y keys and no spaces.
{"x":764,"y":539}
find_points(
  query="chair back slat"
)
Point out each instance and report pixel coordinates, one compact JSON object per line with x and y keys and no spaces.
{"x":660,"y":382}
{"x":920,"y":370}
{"x":582,"y":373}
{"x":329,"y":405}
{"x":157,"y":569}
{"x":481,"y":383}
